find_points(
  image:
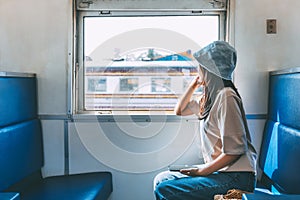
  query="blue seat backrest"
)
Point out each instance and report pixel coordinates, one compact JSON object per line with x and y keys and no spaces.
{"x":18,"y":100}
{"x":284,"y":99}
{"x":21,"y":147}
{"x":21,"y":152}
{"x":280,"y":151}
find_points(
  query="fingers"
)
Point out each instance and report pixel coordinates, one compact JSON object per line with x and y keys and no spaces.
{"x":185,"y":171}
{"x":199,"y":81}
{"x":196,"y":80}
{"x":189,"y":171}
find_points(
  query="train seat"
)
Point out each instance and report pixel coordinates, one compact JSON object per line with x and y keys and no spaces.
{"x":279,"y":157}
{"x":21,"y":152}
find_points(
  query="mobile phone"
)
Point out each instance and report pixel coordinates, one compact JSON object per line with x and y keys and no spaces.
{"x":177,"y":168}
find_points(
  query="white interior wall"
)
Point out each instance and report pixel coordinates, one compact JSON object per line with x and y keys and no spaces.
{"x":35,"y":37}
{"x":258,"y":52}
{"x":53,"y":137}
{"x":133,"y":159}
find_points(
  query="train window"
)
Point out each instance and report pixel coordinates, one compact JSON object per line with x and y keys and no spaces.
{"x":139,"y":62}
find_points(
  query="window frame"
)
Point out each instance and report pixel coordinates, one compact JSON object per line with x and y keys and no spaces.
{"x":78,"y":76}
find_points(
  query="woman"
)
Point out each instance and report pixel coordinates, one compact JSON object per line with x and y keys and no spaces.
{"x":229,"y":156}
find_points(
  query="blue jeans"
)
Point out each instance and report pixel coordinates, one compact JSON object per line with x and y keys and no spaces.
{"x":176,"y":186}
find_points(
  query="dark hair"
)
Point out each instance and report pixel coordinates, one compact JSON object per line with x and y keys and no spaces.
{"x":229,"y":83}
{"x":211,"y":89}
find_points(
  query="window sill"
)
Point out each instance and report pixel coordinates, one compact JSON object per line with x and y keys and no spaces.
{"x":132,"y":116}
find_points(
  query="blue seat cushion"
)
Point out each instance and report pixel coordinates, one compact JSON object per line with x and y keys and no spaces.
{"x":279,"y":157}
{"x":9,"y":196}
{"x":265,"y":196}
{"x":97,"y":185}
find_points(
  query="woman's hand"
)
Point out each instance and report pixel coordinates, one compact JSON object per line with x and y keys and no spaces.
{"x":182,"y":106}
{"x":196,"y":82}
{"x":223,"y":160}
{"x":194,"y":171}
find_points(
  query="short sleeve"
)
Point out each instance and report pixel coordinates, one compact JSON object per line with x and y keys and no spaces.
{"x":194,"y":107}
{"x":232,"y":127}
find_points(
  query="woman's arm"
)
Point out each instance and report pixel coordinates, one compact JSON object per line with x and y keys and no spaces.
{"x":220,"y":162}
{"x":182,"y":108}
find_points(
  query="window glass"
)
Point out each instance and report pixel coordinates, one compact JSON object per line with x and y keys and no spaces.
{"x":141,"y":63}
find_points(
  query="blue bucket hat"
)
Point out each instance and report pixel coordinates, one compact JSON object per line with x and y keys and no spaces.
{"x":218,"y":58}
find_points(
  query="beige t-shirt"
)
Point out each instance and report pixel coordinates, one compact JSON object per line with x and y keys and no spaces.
{"x":225,"y":131}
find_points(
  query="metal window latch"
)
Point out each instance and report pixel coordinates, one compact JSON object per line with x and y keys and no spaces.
{"x":104,"y":12}
{"x":85,"y":4}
